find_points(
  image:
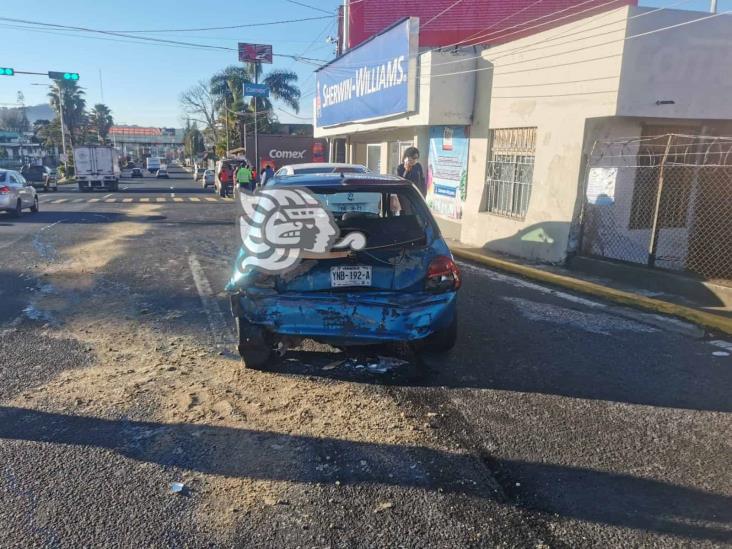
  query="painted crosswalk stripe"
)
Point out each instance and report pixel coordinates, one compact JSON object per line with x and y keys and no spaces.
{"x":95,"y":200}
{"x":77,"y":200}
{"x":126,"y":200}
{"x":209,"y":199}
{"x":194,"y":199}
{"x":177,"y":200}
{"x":59,"y":201}
{"x":144,"y":200}
{"x":111,"y":200}
{"x":160,"y":199}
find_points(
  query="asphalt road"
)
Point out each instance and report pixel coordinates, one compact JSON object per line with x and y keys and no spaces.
{"x":556,"y":421}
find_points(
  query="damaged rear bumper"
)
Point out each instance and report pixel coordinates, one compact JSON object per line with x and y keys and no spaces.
{"x":348,"y":318}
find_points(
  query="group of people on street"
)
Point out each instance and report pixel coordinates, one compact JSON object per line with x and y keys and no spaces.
{"x":244,"y":175}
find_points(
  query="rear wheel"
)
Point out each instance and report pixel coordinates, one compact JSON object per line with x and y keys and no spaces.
{"x":34,"y":207}
{"x":252,"y":345}
{"x":18,"y":209}
{"x":442,"y":341}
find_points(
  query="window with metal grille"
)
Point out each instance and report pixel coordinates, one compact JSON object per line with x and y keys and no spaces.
{"x":510,"y":172}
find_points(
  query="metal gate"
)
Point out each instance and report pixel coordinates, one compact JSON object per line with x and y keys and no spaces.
{"x":664,"y":201}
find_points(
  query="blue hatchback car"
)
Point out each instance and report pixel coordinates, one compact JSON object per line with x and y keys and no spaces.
{"x":400,"y":287}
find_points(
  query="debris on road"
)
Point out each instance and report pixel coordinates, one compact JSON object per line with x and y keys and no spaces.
{"x":177,"y":488}
{"x":383,"y":506}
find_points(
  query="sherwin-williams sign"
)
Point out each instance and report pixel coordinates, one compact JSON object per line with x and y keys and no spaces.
{"x":447,"y":173}
{"x":375,"y":80}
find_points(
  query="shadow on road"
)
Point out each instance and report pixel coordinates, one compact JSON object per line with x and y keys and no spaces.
{"x":619,"y":500}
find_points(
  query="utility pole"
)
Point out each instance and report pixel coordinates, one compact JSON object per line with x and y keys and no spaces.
{"x":226,"y":122}
{"x":63,"y":130}
{"x":713,"y":6}
{"x":256,"y":136}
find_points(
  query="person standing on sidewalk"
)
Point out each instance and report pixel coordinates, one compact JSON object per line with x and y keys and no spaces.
{"x":244,"y":177}
{"x":411,"y":169}
{"x":267,"y":174}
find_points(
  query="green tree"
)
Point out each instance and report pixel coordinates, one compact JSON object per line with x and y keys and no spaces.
{"x":74,"y":108}
{"x":193,"y":143}
{"x":14,"y":120}
{"x":100,"y":121}
{"x":227,"y":88}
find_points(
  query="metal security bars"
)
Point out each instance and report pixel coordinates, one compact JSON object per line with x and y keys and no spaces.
{"x":510,"y":172}
{"x":664,"y":201}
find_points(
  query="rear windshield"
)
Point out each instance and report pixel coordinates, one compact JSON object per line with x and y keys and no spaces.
{"x":305,"y":171}
{"x":386,"y":219}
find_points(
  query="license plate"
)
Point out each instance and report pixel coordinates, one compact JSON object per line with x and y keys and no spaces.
{"x":351,"y":275}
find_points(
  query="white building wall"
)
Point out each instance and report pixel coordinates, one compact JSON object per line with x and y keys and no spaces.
{"x":690,"y":64}
{"x":552,"y":81}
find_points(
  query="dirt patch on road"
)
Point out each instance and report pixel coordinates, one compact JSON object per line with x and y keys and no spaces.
{"x":241,"y":441}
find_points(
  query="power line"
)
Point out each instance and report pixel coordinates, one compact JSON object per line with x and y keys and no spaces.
{"x":162,"y":41}
{"x":242,"y":26}
{"x":303,"y":4}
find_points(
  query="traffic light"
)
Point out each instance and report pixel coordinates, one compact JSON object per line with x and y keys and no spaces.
{"x":55,"y":75}
{"x":6,"y":71}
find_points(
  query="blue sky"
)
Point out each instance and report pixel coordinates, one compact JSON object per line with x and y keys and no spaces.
{"x":142,"y":82}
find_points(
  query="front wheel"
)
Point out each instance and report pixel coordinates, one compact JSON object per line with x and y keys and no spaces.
{"x":34,"y":207}
{"x":252,"y":346}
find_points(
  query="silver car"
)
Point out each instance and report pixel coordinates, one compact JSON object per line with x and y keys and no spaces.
{"x":16,"y":193}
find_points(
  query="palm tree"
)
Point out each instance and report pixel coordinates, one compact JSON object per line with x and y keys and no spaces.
{"x":227,"y":87}
{"x":100,"y":119}
{"x":74,"y":105}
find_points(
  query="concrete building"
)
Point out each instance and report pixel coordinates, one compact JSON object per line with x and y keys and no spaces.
{"x":535,"y":107}
{"x":545,"y":100}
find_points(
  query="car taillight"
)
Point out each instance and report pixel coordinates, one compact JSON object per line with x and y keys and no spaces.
{"x":442,"y":275}
{"x":4,"y":189}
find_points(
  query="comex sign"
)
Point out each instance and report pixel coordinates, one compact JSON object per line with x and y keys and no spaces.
{"x":276,"y":153}
{"x":374,"y":80}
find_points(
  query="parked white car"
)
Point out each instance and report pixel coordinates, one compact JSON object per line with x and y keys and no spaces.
{"x":16,"y":193}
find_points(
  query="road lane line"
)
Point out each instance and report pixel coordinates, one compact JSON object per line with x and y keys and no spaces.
{"x":221,"y":331}
{"x":144,"y":199}
{"x":161,"y":199}
{"x":58,"y":201}
{"x":77,"y":200}
{"x":126,"y":200}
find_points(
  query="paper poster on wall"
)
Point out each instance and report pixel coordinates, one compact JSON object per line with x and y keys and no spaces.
{"x":447,"y":172}
{"x":601,"y":186}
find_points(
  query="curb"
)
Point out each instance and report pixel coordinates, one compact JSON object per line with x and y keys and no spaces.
{"x":707,"y":320}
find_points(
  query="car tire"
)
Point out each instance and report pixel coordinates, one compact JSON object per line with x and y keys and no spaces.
{"x":252,"y":346}
{"x":18,"y":209}
{"x":34,"y":208}
{"x":46,"y":188}
{"x":441,"y":341}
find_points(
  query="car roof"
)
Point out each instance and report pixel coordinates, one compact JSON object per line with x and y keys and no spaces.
{"x":339,"y":180}
{"x":325,"y":165}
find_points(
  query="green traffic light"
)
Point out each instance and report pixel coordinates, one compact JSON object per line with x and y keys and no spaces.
{"x":67,"y":76}
{"x":6,"y":71}
{"x":74,"y":76}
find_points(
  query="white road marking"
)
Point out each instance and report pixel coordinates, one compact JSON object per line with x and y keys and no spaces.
{"x":220,"y":330}
{"x":111,"y":200}
{"x":95,"y":200}
{"x":194,"y":199}
{"x":177,"y":200}
{"x":106,"y":196}
{"x":21,"y":237}
{"x":126,"y":200}
{"x":144,"y":199}
{"x":160,"y":199}
{"x":493,"y":275}
{"x":726,"y":345}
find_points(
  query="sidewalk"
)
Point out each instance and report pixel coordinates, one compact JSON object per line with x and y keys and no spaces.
{"x":713,"y":318}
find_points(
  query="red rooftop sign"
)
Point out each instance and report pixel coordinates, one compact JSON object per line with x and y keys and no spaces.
{"x":470,"y":21}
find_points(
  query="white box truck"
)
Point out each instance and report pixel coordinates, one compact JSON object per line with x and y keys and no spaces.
{"x":153,"y":164}
{"x":96,"y":167}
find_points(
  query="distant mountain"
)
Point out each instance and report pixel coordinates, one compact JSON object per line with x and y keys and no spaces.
{"x":36,"y":112}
